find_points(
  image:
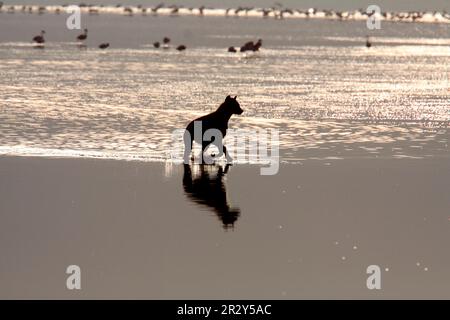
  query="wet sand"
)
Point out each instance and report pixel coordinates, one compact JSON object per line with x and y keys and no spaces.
{"x":147,"y":230}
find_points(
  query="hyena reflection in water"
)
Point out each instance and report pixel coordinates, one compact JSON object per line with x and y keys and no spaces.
{"x":207,"y":189}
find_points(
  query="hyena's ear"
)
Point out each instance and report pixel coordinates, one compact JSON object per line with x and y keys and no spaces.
{"x":235,"y":97}
{"x":228,"y":97}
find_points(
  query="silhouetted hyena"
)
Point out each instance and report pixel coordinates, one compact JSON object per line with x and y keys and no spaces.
{"x":217,"y":120}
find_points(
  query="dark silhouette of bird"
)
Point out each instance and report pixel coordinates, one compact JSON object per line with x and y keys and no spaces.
{"x":166,"y":42}
{"x":265,"y":12}
{"x":104,"y":45}
{"x":368,"y":42}
{"x":128,"y":11}
{"x":156,"y":44}
{"x":159,"y":6}
{"x":232,"y":49}
{"x":247,"y":46}
{"x":257,"y":45}
{"x":39,"y":38}
{"x":250,"y":46}
{"x":83,"y":36}
{"x":181,"y":47}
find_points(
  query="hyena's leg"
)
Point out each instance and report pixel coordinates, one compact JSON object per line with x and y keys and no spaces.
{"x":187,"y":137}
{"x":219,"y":144}
{"x":205,"y":145}
{"x":227,"y":155}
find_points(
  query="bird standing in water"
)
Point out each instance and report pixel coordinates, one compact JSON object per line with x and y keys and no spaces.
{"x":40,"y":38}
{"x":257,"y":45}
{"x":166,"y":42}
{"x":83,"y":36}
{"x":368,"y":42}
{"x":250,"y":46}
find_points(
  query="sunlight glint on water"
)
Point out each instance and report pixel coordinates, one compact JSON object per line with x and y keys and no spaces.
{"x":124,"y":102}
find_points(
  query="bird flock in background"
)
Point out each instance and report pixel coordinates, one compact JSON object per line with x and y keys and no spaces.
{"x":39,"y":40}
{"x":165,"y":45}
{"x":277,"y":11}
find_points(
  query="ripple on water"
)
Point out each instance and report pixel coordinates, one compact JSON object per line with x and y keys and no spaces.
{"x":126,"y":103}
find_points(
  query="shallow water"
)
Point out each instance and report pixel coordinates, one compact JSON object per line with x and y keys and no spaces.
{"x":313,"y":80}
{"x":141,"y":230}
{"x":150,"y":230}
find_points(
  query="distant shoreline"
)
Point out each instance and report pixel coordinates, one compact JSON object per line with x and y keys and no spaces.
{"x":276,"y":12}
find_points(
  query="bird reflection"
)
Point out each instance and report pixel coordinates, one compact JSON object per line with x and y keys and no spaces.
{"x":208,"y":189}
